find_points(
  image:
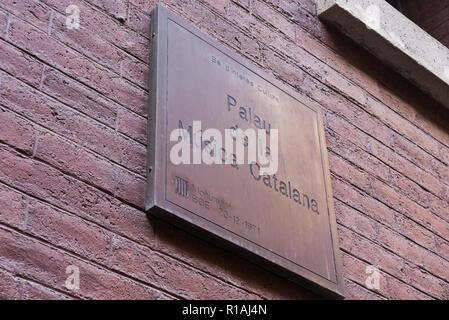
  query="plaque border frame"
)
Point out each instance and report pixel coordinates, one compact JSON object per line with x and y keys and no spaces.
{"x":156,"y":203}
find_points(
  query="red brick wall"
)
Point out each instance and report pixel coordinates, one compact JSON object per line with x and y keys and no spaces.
{"x":72,"y":156}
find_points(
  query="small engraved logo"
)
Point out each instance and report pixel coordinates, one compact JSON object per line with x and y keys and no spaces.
{"x":182,"y":187}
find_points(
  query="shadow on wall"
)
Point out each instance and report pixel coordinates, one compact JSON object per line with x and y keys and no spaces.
{"x":391,"y":85}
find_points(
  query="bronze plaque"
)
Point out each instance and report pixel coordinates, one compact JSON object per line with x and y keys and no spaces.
{"x":284,"y":220}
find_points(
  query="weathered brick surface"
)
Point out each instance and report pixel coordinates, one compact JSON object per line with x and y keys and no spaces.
{"x":109,"y":29}
{"x":68,"y":231}
{"x":170,"y":275}
{"x":73,"y":142}
{"x":138,"y":21}
{"x":3,"y":24}
{"x":79,"y":97}
{"x":33,"y":11}
{"x":9,"y":286}
{"x":21,"y":65}
{"x":16,"y":131}
{"x":12,"y":207}
{"x":71,"y":124}
{"x":68,"y":60}
{"x":116,"y":8}
{"x":36,"y":291}
{"x":42,"y":263}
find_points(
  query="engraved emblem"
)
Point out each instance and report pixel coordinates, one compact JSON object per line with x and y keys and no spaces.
{"x":182,"y":187}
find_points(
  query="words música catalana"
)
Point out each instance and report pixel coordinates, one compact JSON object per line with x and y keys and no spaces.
{"x":284,"y":188}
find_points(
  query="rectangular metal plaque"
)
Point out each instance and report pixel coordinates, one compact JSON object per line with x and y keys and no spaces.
{"x":284,"y":220}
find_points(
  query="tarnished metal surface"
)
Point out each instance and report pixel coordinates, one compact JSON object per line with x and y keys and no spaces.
{"x":286,"y":219}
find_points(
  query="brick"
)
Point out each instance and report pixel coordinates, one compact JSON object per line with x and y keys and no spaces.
{"x":19,"y":64}
{"x":307,"y":84}
{"x":12,"y":207}
{"x":441,"y":246}
{"x":223,"y":264}
{"x":170,"y":274}
{"x":136,"y":72}
{"x":109,"y":29}
{"x":132,"y":125}
{"x":144,"y":5}
{"x":437,"y":287}
{"x":9,"y":286}
{"x":72,"y":125}
{"x":413,"y":191}
{"x":3,"y":24}
{"x":243,"y":3}
{"x":131,"y":188}
{"x":349,"y":198}
{"x":35,"y":178}
{"x":444,"y":156}
{"x":415,"y":254}
{"x":363,"y":202}
{"x":47,"y":265}
{"x":219,"y":5}
{"x":351,"y":218}
{"x":16,"y":131}
{"x":139,"y":21}
{"x":36,"y":291}
{"x":427,"y":115}
{"x":79,"y":97}
{"x":73,"y":160}
{"x":285,"y":71}
{"x":314,"y":26}
{"x":405,"y":166}
{"x":116,"y":8}
{"x":396,"y":267}
{"x":442,"y":171}
{"x":355,"y":270}
{"x":276,"y":20}
{"x":409,"y":208}
{"x":399,"y":182}
{"x":416,"y":188}
{"x":405,"y":293}
{"x":354,"y":291}
{"x":48,"y":184}
{"x":353,"y":175}
{"x":403,"y":247}
{"x":32,"y":11}
{"x":432,"y":263}
{"x":342,"y":58}
{"x":389,"y":287}
{"x":93,"y":46}
{"x":77,"y":66}
{"x":428,"y":17}
{"x":403,"y":225}
{"x":239,"y":16}
{"x":309,"y":5}
{"x":385,"y":194}
{"x":88,"y":43}
{"x":403,"y":126}
{"x":414,"y":153}
{"x":218,"y":28}
{"x":68,"y":231}
{"x":351,"y":152}
{"x":371,"y":253}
